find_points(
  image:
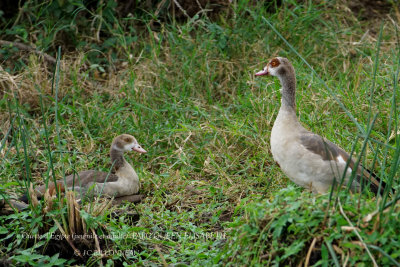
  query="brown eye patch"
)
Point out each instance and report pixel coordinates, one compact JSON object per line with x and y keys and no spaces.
{"x":128,"y":139}
{"x":274,"y":62}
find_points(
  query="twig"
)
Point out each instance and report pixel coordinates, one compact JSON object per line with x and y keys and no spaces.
{"x":310,"y":251}
{"x":181,"y":8}
{"x":193,"y":190}
{"x":198,"y":3}
{"x":164,"y":262}
{"x":346,"y":260}
{"x":76,"y":251}
{"x":357,"y":234}
{"x":97,"y":243}
{"x":100,"y":21}
{"x":21,"y":10}
{"x":168,"y":205}
{"x":160,"y":5}
{"x":25,"y":47}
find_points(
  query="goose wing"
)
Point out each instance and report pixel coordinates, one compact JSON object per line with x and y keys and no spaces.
{"x":331,"y":152}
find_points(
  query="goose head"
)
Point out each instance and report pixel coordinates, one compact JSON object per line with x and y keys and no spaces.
{"x":126,"y":142}
{"x":278,"y":66}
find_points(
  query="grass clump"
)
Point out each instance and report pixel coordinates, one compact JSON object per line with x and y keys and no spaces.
{"x":300,"y":228}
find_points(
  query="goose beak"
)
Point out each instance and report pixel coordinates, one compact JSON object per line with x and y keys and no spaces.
{"x":139,"y":149}
{"x":263,"y":72}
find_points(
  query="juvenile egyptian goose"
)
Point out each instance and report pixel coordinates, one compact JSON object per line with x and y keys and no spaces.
{"x":306,"y":158}
{"x":123,"y":182}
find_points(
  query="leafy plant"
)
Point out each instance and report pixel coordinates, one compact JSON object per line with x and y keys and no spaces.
{"x":299,"y":227}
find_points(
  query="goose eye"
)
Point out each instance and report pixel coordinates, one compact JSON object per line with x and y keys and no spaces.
{"x":274,"y":63}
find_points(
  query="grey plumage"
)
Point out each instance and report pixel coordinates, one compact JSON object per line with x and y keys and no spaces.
{"x":306,"y":158}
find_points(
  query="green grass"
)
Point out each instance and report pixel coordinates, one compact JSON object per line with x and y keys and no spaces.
{"x":282,"y":231}
{"x":189,"y":96}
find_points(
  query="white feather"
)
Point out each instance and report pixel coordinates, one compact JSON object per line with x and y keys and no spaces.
{"x":340,"y":159}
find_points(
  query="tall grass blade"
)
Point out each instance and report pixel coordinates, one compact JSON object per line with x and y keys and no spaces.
{"x":332,"y":252}
{"x":376,"y":63}
{"x":393,"y":261}
{"x":22,"y":131}
{"x":48,"y":148}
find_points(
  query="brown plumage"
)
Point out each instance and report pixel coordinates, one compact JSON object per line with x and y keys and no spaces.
{"x":331,"y":152}
{"x":78,"y":180}
{"x":122,"y":181}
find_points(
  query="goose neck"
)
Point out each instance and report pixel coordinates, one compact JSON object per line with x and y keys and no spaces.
{"x":117,"y":158}
{"x":288,"y":83}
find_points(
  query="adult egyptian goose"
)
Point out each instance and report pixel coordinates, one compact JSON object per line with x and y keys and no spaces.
{"x":123,"y":182}
{"x":306,"y":158}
